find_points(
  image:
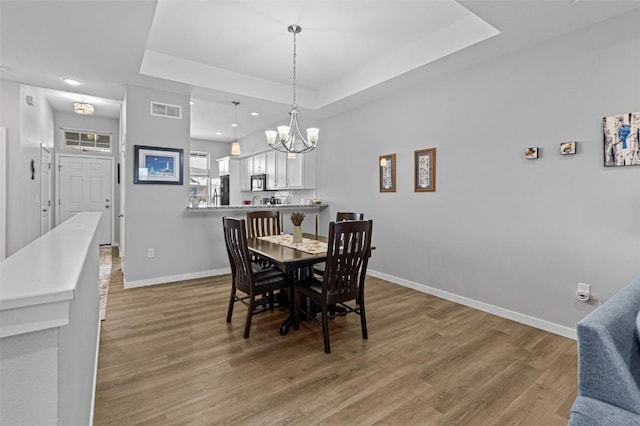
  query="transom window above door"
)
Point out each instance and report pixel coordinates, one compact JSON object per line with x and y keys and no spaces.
{"x":86,"y":140}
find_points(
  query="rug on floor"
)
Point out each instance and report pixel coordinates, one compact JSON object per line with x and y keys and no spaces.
{"x":105,"y":277}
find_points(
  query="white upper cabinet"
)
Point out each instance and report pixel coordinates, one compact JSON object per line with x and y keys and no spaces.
{"x":284,"y":173}
{"x":259,"y":164}
{"x":246,"y":165}
{"x":270,"y":168}
{"x":223,"y":166}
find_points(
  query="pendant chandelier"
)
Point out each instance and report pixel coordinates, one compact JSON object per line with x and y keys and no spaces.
{"x":83,"y":107}
{"x":235,"y":146}
{"x":289,"y":138}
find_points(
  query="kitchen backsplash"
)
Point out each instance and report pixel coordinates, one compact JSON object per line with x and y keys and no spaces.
{"x":292,"y":196}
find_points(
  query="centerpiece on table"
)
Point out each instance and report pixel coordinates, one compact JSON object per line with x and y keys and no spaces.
{"x":296,"y":219}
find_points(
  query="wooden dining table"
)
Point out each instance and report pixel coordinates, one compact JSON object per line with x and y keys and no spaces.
{"x":288,"y":260}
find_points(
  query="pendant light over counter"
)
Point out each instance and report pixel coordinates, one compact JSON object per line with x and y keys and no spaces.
{"x":235,"y":146}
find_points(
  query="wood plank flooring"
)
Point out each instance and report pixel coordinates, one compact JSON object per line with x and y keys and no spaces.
{"x":167,"y":357}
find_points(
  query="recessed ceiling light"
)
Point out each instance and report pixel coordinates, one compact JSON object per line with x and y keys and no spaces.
{"x":255,"y":113}
{"x":218,"y":133}
{"x":191,"y":102}
{"x":71,"y":81}
{"x":234,"y":125}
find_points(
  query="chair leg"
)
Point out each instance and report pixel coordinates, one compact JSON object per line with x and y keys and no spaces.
{"x":325,"y":328}
{"x":363,"y":320}
{"x":232,"y":301}
{"x":247,"y":324}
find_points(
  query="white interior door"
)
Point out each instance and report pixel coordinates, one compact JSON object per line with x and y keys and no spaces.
{"x":45,"y":191}
{"x":123,"y":179}
{"x":85,"y":184}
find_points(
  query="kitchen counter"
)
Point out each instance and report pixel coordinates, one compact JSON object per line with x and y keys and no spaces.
{"x":244,"y":207}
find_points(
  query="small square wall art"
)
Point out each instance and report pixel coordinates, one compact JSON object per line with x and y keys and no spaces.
{"x":531,"y":153}
{"x":621,"y":144}
{"x":568,"y":148}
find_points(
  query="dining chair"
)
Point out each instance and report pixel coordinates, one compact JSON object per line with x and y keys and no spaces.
{"x":244,"y":279}
{"x":262,"y":223}
{"x":340,"y":216}
{"x":348,"y":251}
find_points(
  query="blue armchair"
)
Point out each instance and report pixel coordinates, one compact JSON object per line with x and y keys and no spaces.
{"x":609,"y":362}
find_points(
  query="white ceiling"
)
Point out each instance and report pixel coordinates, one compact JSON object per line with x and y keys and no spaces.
{"x":218,"y":51}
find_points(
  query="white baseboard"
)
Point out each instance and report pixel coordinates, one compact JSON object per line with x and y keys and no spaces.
{"x":485,"y":307}
{"x":173,"y":278}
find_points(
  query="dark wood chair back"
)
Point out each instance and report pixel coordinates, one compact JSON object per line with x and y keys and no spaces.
{"x":235,"y":238}
{"x":340,"y":216}
{"x":348,"y":251}
{"x":263,"y":222}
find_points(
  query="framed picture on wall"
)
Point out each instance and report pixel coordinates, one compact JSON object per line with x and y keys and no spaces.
{"x":157,"y":165}
{"x":621,"y":139}
{"x":388,"y":173}
{"x":424,"y":162}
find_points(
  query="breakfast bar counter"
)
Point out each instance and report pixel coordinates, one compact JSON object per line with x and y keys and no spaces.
{"x":248,"y":207}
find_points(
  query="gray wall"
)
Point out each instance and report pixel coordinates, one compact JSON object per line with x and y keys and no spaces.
{"x":156,"y":215}
{"x":501,"y":231}
{"x":28,"y":127}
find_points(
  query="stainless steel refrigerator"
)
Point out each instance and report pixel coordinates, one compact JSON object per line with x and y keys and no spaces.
{"x":224,"y":190}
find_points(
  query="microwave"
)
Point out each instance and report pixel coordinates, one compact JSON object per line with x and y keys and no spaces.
{"x":259,"y":182}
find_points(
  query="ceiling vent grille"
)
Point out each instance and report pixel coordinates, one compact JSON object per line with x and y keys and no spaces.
{"x":165,"y":110}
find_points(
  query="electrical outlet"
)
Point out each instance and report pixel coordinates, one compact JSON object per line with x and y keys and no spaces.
{"x":584,"y":288}
{"x":151,"y":252}
{"x":584,"y":292}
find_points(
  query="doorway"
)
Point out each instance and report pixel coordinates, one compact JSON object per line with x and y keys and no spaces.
{"x":84,"y":184}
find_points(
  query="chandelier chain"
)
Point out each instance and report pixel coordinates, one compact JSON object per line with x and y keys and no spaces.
{"x":294,"y":71}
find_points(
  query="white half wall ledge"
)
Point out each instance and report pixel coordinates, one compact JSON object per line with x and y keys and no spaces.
{"x":485,"y":307}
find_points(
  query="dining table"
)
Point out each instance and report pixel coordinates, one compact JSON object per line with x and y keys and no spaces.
{"x":296,"y":259}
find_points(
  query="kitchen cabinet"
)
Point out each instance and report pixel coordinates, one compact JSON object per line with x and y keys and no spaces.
{"x":246,"y":166}
{"x":284,"y":173}
{"x":223,"y":166}
{"x":259,"y":166}
{"x":295,"y":170}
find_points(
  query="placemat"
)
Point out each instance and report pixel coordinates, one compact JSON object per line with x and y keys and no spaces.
{"x":307,"y":245}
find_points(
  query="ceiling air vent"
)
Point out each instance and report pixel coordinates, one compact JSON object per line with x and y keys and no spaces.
{"x":166,"y":110}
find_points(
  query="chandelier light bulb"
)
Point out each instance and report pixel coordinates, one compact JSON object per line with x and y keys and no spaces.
{"x":312,"y":134}
{"x":271,"y":136}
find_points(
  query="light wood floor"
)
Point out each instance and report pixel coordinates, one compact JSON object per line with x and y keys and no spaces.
{"x":167,"y":357}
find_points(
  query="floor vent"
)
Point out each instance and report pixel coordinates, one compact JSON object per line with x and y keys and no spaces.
{"x":166,"y":110}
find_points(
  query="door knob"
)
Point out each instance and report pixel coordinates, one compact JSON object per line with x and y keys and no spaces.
{"x":44,"y":210}
{"x":106,"y":200}
{"x":106,"y":206}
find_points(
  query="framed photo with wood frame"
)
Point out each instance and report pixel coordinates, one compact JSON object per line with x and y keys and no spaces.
{"x":388,"y":173}
{"x":157,"y":165}
{"x":424,"y":170}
